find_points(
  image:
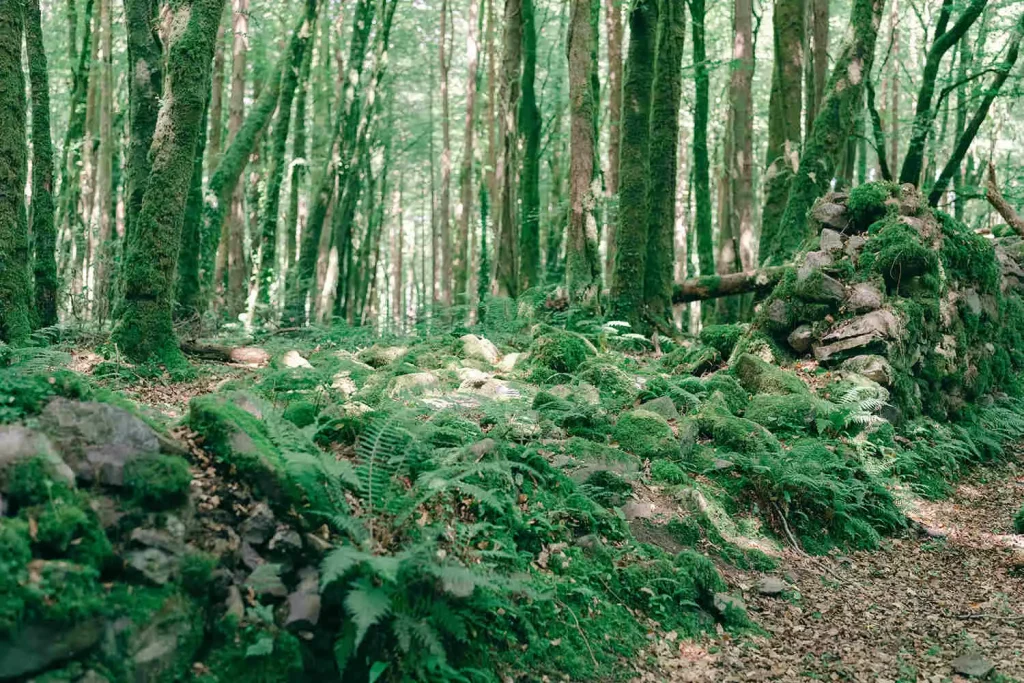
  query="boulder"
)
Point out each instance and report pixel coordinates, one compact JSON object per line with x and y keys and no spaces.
{"x":852,"y":336}
{"x":508,"y":363}
{"x":725,"y":603}
{"x":151,"y":565}
{"x":414,"y":383}
{"x":831,"y":215}
{"x":259,"y":526}
{"x":19,"y":443}
{"x":494,"y":389}
{"x":304,"y":602}
{"x":863,"y":297}
{"x":813,"y":261}
{"x":165,"y":645}
{"x":97,"y":440}
{"x":758,"y":377}
{"x":37,"y":647}
{"x":820,"y":288}
{"x":771,"y":586}
{"x":479,"y":348}
{"x":876,"y":368}
{"x":663,"y":406}
{"x":854,"y":245}
{"x":800,"y":339}
{"x":830,"y":241}
{"x":972,"y":666}
{"x":292,"y":359}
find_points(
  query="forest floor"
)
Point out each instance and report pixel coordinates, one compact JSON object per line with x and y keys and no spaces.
{"x":900,"y":614}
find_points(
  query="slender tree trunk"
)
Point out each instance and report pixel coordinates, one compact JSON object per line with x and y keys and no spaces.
{"x":188,"y":294}
{"x":462,"y":259}
{"x":832,"y":127}
{"x":445,"y":227}
{"x":40,"y":217}
{"x":145,"y":331}
{"x":894,"y":85}
{"x":583,"y":264}
{"x":397,"y":249}
{"x":817,"y":59}
{"x":300,"y":160}
{"x":529,"y":180}
{"x":634,"y":172}
{"x":15,"y":282}
{"x":233,"y":227}
{"x":613,"y":26}
{"x":507,"y":260}
{"x":492,"y":106}
{"x":216,"y":113}
{"x":105,"y":168}
{"x":85,"y":239}
{"x":664,"y":142}
{"x":701,"y":163}
{"x":784,"y":106}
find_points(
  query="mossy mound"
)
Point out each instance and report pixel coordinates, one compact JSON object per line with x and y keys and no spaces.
{"x":646,"y":435}
{"x":560,"y":352}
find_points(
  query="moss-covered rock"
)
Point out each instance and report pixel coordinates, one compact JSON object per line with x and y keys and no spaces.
{"x":733,"y":433}
{"x":611,"y":381}
{"x":722,"y":338}
{"x":301,"y":413}
{"x":645,"y":434}
{"x":560,"y":352}
{"x":158,"y":482}
{"x":783,"y":413}
{"x":758,"y":377}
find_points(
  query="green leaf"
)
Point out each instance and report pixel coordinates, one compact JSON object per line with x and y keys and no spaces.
{"x":367,"y":605}
{"x":377,"y":670}
{"x":261,"y":648}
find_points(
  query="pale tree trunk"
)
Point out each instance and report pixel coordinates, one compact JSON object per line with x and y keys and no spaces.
{"x":740,"y":163}
{"x":232,"y":259}
{"x":86,"y":238}
{"x":529,"y":179}
{"x":613,"y":26}
{"x":216,"y":115}
{"x":817,"y":59}
{"x":462,"y":258}
{"x":490,"y":172}
{"x":397,"y":247}
{"x":446,"y":163}
{"x":104,"y":170}
{"x":894,"y":85}
{"x":506,"y":259}
{"x":583,"y":265}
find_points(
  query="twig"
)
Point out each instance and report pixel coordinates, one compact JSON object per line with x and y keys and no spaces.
{"x":996,"y":617}
{"x":582,"y":634}
{"x":789,"y":534}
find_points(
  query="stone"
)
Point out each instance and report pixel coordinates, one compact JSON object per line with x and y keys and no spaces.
{"x":265,"y":581}
{"x":250,"y":557}
{"x":414,"y":383}
{"x":157,"y":538}
{"x":151,"y":565}
{"x":317,"y":544}
{"x":634,"y":510}
{"x":771,"y":586}
{"x":972,"y":665}
{"x":36,"y":647}
{"x":480,"y":348}
{"x":778,"y":312}
{"x":854,"y":245}
{"x":472,"y":375}
{"x":508,"y":363}
{"x":831,"y":215}
{"x":234,"y":606}
{"x":813,"y":261}
{"x":973,"y":301}
{"x":91,"y":676}
{"x":97,"y":440}
{"x":343,"y":383}
{"x":721,"y":464}
{"x":293,"y":360}
{"x":663,"y":406}
{"x":259,"y":526}
{"x":859,"y":333}
{"x":18,"y":443}
{"x":723,"y":602}
{"x":830,"y":241}
{"x":286,"y":540}
{"x":494,"y":389}
{"x":800,"y":339}
{"x":874,"y":367}
{"x":303,"y":611}
{"x":863,"y":297}
{"x":166,"y":642}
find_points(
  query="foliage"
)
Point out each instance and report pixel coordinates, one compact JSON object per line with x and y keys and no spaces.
{"x":560,"y":352}
{"x":158,"y":482}
{"x":645,"y":434}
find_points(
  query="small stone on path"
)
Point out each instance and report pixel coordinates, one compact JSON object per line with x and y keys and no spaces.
{"x":972,"y":665}
{"x":771,"y":586}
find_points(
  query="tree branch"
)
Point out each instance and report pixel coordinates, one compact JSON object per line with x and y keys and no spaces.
{"x":999,"y":203}
{"x":717,"y":286}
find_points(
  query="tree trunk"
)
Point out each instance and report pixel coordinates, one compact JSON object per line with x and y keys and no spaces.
{"x":297,"y":47}
{"x":817,"y":60}
{"x":924,"y":116}
{"x":634,"y":172}
{"x":300,"y":160}
{"x":216,"y":113}
{"x":507,"y":260}
{"x":145,"y":332}
{"x":832,"y":126}
{"x":15,"y":282}
{"x":462,"y":259}
{"x":231,"y":224}
{"x":701,"y":163}
{"x":583,"y":265}
{"x":145,"y":86}
{"x":715,"y":286}
{"x":529,"y":181}
{"x":104,"y":206}
{"x":397,"y":249}
{"x":613,"y":25}
{"x":40,"y":217}
{"x":445,"y":227}
{"x":664,"y":142}
{"x":492,"y":106}
{"x":783,"y":113}
{"x":189,"y":286}
{"x":1002,"y":207}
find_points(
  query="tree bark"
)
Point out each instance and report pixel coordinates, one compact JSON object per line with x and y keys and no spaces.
{"x":1002,"y":207}
{"x":715,"y":286}
{"x":145,"y":331}
{"x":104,"y":205}
{"x":462,"y":259}
{"x":40,"y":217}
{"x":529,"y":180}
{"x":664,"y":143}
{"x":784,"y":107}
{"x":145,"y":85}
{"x":627,"y":290}
{"x":583,"y":265}
{"x":879,"y":132}
{"x":817,"y":59}
{"x":506,"y":258}
{"x":832,"y":126}
{"x":187,"y":297}
{"x":216,"y":114}
{"x":444,"y":61}
{"x":15,"y":282}
{"x":701,"y":163}
{"x":300,"y":160}
{"x":613,"y":29}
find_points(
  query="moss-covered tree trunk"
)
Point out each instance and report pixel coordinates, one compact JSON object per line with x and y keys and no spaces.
{"x":187,"y":297}
{"x":701,"y":162}
{"x":832,"y":126}
{"x":529,"y":179}
{"x":445,"y":207}
{"x":300,"y":160}
{"x":15,"y":284}
{"x":297,"y":46}
{"x":40,"y":217}
{"x":583,"y":264}
{"x":817,"y":58}
{"x":461,"y":258}
{"x":613,"y":30}
{"x":145,"y":85}
{"x":216,"y":112}
{"x":506,"y":258}
{"x":104,"y":251}
{"x":664,"y":143}
{"x":634,"y":170}
{"x":784,"y":107}
{"x":145,"y":330}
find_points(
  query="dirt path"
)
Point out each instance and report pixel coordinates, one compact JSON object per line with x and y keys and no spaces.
{"x":903,"y":613}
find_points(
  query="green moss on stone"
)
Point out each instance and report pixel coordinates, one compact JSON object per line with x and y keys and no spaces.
{"x":758,"y":377}
{"x":866,"y":203}
{"x":301,"y":413}
{"x":792,"y":413}
{"x":158,"y":482}
{"x":645,"y":434}
{"x":560,"y":351}
{"x":722,"y":337}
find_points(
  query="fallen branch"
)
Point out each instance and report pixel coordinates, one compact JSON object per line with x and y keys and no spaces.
{"x":246,"y":355}
{"x":999,"y":203}
{"x":717,"y":286}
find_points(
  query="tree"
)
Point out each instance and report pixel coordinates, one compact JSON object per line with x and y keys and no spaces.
{"x":444,"y":60}
{"x":832,"y":126}
{"x":613,"y":24}
{"x":144,"y":330}
{"x":40,"y":217}
{"x":462,"y":258}
{"x":529,"y":179}
{"x":15,"y":285}
{"x":583,"y":265}
{"x":508,"y":98}
{"x":145,"y":86}
{"x":701,"y":164}
{"x":634,"y":172}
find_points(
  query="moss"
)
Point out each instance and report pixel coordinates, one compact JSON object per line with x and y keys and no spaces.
{"x":66,"y":528}
{"x":607,"y":488}
{"x":866,"y":203}
{"x":696,"y":360}
{"x":449,"y":429}
{"x":25,"y":394}
{"x":195,"y":573}
{"x":613,"y":383}
{"x":15,"y":553}
{"x":667,"y":472}
{"x":1018,"y":522}
{"x":967,"y":257}
{"x":158,"y":482}
{"x":657,"y":387}
{"x":560,"y":352}
{"x":897,"y":252}
{"x":722,"y":337}
{"x":734,"y":433}
{"x":793,"y":413}
{"x":758,"y":377}
{"x":301,"y":413}
{"x":32,"y":482}
{"x":645,"y":434}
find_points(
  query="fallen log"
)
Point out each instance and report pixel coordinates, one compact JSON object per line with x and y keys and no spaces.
{"x":999,"y":203}
{"x":717,"y":286}
{"x":245,"y":355}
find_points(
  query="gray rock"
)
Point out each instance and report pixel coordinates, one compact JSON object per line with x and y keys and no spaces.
{"x":479,"y":348}
{"x":688,"y":432}
{"x":97,"y":440}
{"x":830,"y":241}
{"x":634,"y":510}
{"x":876,"y":368}
{"x":233,"y":605}
{"x":157,"y":538}
{"x":265,"y":581}
{"x":415,"y":383}
{"x":854,"y":245}
{"x":771,"y":586}
{"x":859,"y":333}
{"x":286,"y":540}
{"x":801,"y":338}
{"x":663,"y":406}
{"x":831,"y":215}
{"x":813,"y":260}
{"x":166,"y":643}
{"x":778,"y":312}
{"x":36,"y":647}
{"x":863,"y":297}
{"x":18,"y":443}
{"x":303,"y":611}
{"x":823,"y":289}
{"x":151,"y":565}
{"x":258,"y":528}
{"x":721,"y":464}
{"x":972,"y":665}
{"x":250,"y":558}
{"x":973,"y":301}
{"x":723,"y":602}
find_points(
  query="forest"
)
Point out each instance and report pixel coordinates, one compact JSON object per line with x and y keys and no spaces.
{"x":511,"y":340}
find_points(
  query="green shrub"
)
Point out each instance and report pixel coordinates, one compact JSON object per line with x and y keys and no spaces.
{"x":645,"y":434}
{"x":158,"y":482}
{"x":300,"y":413}
{"x":449,"y":429}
